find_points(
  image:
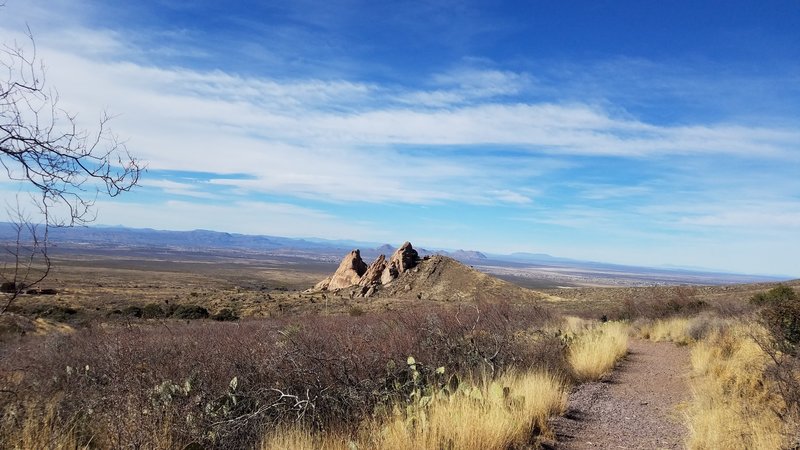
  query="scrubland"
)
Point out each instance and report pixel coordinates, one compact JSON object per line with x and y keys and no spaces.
{"x":386,"y":375}
{"x":745,"y":375}
{"x":468,"y":376}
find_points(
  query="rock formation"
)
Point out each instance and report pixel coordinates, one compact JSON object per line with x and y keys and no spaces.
{"x":406,"y":276}
{"x":349,"y":273}
{"x":373,"y":274}
{"x":404,"y":258}
{"x":353,"y":271}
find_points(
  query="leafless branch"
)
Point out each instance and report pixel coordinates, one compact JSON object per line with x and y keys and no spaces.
{"x":25,"y":262}
{"x":42,"y":146}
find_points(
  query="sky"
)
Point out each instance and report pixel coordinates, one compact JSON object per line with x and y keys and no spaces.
{"x":637,"y":132}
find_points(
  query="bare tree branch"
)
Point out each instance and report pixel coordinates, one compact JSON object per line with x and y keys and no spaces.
{"x":25,"y":262}
{"x":42,"y":145}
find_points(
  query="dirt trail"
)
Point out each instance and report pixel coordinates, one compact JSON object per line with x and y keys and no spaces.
{"x":637,"y":408}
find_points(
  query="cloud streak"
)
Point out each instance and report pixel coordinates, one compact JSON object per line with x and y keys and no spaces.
{"x":327,"y":139}
{"x":585,"y":148}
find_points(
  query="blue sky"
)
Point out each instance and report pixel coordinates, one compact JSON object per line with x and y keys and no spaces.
{"x":639,"y":132}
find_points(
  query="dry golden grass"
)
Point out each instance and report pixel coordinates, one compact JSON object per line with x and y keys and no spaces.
{"x":594,"y":353}
{"x":479,"y":418}
{"x":733,"y":405}
{"x":296,"y":438}
{"x":43,"y":431}
{"x":572,"y":325}
{"x":675,"y":329}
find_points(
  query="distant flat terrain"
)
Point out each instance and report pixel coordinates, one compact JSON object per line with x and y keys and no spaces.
{"x":101,"y":282}
{"x":537,"y":271}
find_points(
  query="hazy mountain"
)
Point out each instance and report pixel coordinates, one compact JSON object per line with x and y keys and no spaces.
{"x":117,"y":237}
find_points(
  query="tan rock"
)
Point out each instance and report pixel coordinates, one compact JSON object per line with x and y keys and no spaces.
{"x":404,"y":258}
{"x":322,"y":285}
{"x":349,"y":273}
{"x":389,"y":274}
{"x":373,"y":274}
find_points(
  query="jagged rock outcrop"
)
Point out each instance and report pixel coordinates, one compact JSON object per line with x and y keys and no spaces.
{"x":435,"y":278}
{"x":349,"y":273}
{"x":404,"y":258}
{"x":389,"y":274}
{"x":321,"y":286}
{"x":354,"y":272}
{"x":373,"y":274}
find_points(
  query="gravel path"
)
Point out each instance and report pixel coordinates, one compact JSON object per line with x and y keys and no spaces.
{"x":636,"y":408}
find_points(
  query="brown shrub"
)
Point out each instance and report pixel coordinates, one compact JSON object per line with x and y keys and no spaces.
{"x":661,"y":303}
{"x":223,"y":384}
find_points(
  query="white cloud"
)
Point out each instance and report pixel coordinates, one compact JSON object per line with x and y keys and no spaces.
{"x":181,"y":119}
{"x":759,"y":218}
{"x":177,"y":188}
{"x":508,"y":196}
{"x":442,"y":139}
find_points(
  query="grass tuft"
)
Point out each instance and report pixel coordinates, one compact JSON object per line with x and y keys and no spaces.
{"x":594,"y":353}
{"x":506,"y":413}
{"x":734,"y":404}
{"x":675,"y":329}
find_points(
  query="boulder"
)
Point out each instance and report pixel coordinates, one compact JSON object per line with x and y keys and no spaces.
{"x":373,"y":274}
{"x":349,"y":273}
{"x":389,"y":274}
{"x":322,"y":285}
{"x":403,"y":259}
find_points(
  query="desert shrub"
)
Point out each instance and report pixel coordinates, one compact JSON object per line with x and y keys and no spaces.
{"x":190,"y":312}
{"x":735,"y":404}
{"x":10,"y":287}
{"x":132,"y":311}
{"x":355,"y":310}
{"x":15,"y":325}
{"x":780,"y":314}
{"x":704,"y":326}
{"x":153,"y":311}
{"x":225,"y":315}
{"x":58,"y":313}
{"x":661,"y":303}
{"x":223,"y":384}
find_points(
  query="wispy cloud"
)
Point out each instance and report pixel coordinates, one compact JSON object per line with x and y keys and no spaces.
{"x":178,"y":188}
{"x":585,"y":146}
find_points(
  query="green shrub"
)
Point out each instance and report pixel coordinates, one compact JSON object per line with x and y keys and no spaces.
{"x":8,"y":287}
{"x":132,"y":311}
{"x":153,"y":311}
{"x":190,"y":312}
{"x":780,"y":313}
{"x":225,"y":315}
{"x":59,"y":313}
{"x":355,"y":311}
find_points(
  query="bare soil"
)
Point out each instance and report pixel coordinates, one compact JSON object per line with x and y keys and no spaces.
{"x":637,"y":407}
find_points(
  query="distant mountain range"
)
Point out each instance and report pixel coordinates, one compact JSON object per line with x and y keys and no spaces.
{"x":111,"y":237}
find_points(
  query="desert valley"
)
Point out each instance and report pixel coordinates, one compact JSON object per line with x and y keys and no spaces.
{"x":207,"y":346}
{"x":414,"y":225}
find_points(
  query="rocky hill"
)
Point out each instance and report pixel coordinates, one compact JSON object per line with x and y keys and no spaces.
{"x":405,"y":275}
